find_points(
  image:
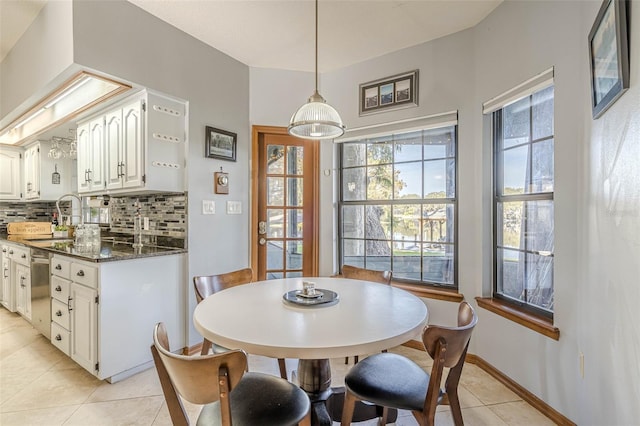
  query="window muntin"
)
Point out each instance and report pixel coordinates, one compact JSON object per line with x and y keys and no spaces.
{"x":524,"y":208}
{"x":398,"y":206}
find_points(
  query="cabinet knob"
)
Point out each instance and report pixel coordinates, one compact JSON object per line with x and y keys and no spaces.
{"x":24,"y":256}
{"x":4,"y":250}
{"x":58,"y":288}
{"x":58,"y":266}
{"x":58,"y":337}
{"x":10,"y":251}
{"x":59,"y":313}
{"x":80,"y":273}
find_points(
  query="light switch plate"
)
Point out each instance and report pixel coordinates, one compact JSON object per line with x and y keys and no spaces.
{"x":208,"y":207}
{"x":234,"y":207}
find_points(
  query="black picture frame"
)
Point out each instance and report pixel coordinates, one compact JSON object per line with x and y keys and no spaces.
{"x":389,"y":93}
{"x":609,"y":55}
{"x":220,"y":144}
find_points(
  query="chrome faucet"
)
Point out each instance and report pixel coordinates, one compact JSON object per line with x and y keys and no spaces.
{"x":77,"y":197}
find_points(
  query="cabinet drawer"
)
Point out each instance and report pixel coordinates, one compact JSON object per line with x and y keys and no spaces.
{"x":60,"y":313}
{"x":20,"y":255}
{"x":61,"y":338}
{"x":83,"y":274}
{"x":60,"y":267}
{"x":60,"y":289}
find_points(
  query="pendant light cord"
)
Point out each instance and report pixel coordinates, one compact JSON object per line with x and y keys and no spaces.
{"x":316,"y":46}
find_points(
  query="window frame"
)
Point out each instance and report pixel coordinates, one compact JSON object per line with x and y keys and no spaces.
{"x":341,"y":203}
{"x":497,"y":142}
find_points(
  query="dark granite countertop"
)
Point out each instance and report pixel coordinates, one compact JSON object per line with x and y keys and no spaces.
{"x":110,"y":250}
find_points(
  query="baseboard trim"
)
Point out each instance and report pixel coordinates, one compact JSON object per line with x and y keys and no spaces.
{"x":516,"y":388}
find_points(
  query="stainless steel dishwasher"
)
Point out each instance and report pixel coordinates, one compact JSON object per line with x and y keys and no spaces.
{"x":40,"y":292}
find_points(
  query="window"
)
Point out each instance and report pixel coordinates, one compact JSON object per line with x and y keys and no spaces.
{"x":398,"y":207}
{"x":523,"y":208}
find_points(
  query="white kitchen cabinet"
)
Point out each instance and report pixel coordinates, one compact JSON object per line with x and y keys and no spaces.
{"x":20,"y":279}
{"x":124,"y":146}
{"x":15,"y":257}
{"x":84,"y":326}
{"x":99,"y":308}
{"x":132,"y":149}
{"x":143,"y":146}
{"x":10,"y":174}
{"x":38,"y":173}
{"x":60,"y":305}
{"x":31,"y":172}
{"x":90,"y":140}
{"x":23,"y":290}
{"x":74,"y":312}
{"x":8,"y":298}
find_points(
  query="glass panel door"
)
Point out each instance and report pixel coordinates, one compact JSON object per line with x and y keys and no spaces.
{"x":286,"y":212}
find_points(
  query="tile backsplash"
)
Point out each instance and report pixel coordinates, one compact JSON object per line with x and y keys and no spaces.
{"x":167,"y":214}
{"x":25,"y":212}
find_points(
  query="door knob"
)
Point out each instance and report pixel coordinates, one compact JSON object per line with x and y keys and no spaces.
{"x":262,"y":241}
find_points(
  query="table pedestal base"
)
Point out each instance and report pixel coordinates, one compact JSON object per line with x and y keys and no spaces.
{"x":314,"y":376}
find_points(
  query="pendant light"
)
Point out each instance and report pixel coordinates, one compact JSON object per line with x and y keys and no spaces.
{"x":316,"y":119}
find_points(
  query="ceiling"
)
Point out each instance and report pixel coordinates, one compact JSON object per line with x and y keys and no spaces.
{"x":280,"y":33}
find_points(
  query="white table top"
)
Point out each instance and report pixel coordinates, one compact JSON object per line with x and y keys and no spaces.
{"x":368,"y":318}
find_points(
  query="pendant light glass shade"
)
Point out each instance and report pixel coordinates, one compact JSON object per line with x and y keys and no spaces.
{"x":316,"y":119}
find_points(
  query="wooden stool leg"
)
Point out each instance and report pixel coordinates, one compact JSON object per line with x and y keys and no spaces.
{"x":283,"y":368}
{"x":347,"y":408}
{"x":206,"y":347}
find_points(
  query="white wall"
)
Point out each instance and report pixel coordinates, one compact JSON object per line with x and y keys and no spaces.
{"x":608,"y":284}
{"x":515,"y":42}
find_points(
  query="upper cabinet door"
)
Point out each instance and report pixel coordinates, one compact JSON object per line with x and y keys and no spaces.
{"x":84,"y":156}
{"x":132,"y":145}
{"x":96,"y":140}
{"x":10,"y":175}
{"x":113,"y":149}
{"x":32,"y":172}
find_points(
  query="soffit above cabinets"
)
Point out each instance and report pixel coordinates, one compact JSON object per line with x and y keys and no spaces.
{"x":75,"y":96}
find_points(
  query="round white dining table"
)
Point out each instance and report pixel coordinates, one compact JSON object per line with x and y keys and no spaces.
{"x":368,"y":317}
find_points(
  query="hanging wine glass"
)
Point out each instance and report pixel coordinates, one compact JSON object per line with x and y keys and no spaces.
{"x":55,"y":151}
{"x":73,"y":149}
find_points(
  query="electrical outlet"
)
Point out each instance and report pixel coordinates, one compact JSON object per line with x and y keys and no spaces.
{"x":145,"y":223}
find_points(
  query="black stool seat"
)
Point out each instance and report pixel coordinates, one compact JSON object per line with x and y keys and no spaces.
{"x":393,"y":381}
{"x":258,"y":400}
{"x":390,"y":380}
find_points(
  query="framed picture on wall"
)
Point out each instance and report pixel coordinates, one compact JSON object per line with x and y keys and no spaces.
{"x":609,"y":55}
{"x":220,"y":144}
{"x":389,"y":93}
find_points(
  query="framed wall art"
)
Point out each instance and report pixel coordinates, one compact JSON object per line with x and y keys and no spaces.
{"x":398,"y":91}
{"x":609,"y":55}
{"x":220,"y":144}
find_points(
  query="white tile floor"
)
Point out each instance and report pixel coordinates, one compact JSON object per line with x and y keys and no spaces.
{"x":39,"y":385}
